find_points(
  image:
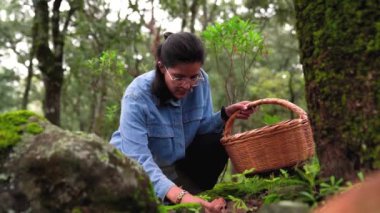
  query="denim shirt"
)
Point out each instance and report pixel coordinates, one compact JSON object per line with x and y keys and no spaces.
{"x":157,"y":136}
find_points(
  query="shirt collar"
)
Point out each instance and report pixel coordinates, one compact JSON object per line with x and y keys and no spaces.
{"x":172,"y":101}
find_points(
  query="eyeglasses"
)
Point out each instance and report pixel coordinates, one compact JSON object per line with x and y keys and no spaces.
{"x":181,"y":81}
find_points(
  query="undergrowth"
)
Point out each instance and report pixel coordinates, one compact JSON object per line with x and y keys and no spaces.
{"x":301,"y":184}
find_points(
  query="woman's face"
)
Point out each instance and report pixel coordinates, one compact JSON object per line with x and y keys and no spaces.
{"x":181,"y":78}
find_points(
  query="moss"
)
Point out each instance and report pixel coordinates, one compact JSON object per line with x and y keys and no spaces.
{"x":118,"y":154}
{"x":185,"y":207}
{"x":376,"y":156}
{"x":14,"y":124}
{"x":33,"y":128}
{"x":76,"y":210}
{"x":374,"y":44}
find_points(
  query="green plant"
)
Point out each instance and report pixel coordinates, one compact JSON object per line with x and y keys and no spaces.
{"x":284,"y":173}
{"x":271,"y":119}
{"x":272,"y":198}
{"x":234,"y":43}
{"x":309,"y":197}
{"x":317,"y":189}
{"x":310,"y":172}
{"x":184,"y":207}
{"x":331,"y":187}
{"x":242,"y":177}
{"x":360,"y":176}
{"x":239,"y":204}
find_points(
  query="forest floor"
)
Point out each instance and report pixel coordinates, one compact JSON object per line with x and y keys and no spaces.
{"x":300,"y":188}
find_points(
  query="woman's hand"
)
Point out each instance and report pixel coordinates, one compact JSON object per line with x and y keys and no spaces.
{"x":244,"y":113}
{"x":216,"y":206}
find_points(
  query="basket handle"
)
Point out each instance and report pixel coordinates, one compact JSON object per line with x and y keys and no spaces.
{"x":284,"y":103}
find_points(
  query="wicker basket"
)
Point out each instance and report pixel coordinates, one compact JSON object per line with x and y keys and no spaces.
{"x":276,"y":146}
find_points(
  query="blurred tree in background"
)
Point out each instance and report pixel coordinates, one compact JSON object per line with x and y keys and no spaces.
{"x":71,"y":60}
{"x":89,"y":31}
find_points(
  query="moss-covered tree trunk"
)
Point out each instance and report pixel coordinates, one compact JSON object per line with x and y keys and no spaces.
{"x":340,"y":54}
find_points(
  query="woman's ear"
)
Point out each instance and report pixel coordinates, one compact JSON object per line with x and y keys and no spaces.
{"x":161,"y":67}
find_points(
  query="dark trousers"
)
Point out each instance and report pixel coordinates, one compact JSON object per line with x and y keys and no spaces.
{"x":205,"y":160}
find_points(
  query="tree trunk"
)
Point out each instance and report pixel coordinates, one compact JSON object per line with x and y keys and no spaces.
{"x":50,"y":60}
{"x":184,"y":15}
{"x":292,"y":95}
{"x":97,"y":126}
{"x":28,"y":81}
{"x":52,"y":101}
{"x":340,"y":49}
{"x":194,"y":12}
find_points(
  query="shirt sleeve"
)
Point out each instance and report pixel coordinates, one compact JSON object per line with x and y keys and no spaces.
{"x":211,"y":122}
{"x":134,"y":136}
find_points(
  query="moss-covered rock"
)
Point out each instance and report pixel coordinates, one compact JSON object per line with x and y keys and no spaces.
{"x":13,"y":125}
{"x":61,"y":171}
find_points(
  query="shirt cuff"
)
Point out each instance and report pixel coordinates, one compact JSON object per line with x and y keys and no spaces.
{"x":163,"y":187}
{"x":219,"y":122}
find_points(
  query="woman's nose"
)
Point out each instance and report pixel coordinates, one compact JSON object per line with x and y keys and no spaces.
{"x":187,"y":85}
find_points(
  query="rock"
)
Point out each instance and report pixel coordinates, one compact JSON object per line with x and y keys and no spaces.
{"x":61,"y":171}
{"x":285,"y":207}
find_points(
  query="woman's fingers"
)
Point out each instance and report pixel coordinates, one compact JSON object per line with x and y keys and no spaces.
{"x":218,"y":205}
{"x":245,"y":113}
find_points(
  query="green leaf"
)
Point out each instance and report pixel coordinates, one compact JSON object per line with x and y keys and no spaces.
{"x":361,"y":176}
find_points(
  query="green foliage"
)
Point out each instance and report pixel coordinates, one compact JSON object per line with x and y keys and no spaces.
{"x":106,"y":69}
{"x":236,"y":37}
{"x":239,"y":204}
{"x":76,"y":210}
{"x":235,"y":45}
{"x":98,"y":88}
{"x":244,"y":186}
{"x":182,"y":207}
{"x":13,"y":124}
{"x":297,"y":184}
{"x":271,"y":119}
{"x":108,"y":63}
{"x":98,"y":41}
{"x":272,"y":198}
{"x":10,"y":97}
{"x":310,"y":172}
{"x":331,"y":187}
{"x":361,"y":176}
{"x":317,"y":189}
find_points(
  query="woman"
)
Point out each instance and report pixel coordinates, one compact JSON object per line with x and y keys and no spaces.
{"x":167,"y":124}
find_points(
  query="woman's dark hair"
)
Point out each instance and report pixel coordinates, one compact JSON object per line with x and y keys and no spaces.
{"x":177,"y":48}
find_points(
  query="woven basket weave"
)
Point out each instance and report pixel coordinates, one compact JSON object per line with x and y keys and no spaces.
{"x":276,"y":146}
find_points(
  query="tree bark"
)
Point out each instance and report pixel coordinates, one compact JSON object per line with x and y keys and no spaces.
{"x":97,"y":125}
{"x":50,"y":58}
{"x":194,"y":12}
{"x":25,"y":98}
{"x":340,"y":54}
{"x":184,"y":15}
